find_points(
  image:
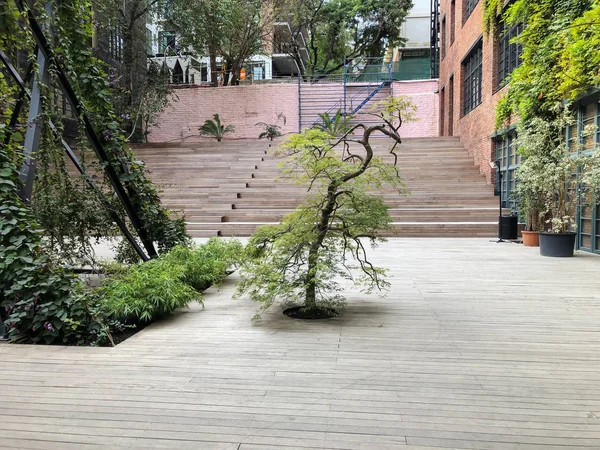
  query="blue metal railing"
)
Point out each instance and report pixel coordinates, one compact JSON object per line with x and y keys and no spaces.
{"x":371,"y":75}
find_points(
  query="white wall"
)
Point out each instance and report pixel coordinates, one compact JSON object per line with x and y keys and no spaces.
{"x":417,"y":27}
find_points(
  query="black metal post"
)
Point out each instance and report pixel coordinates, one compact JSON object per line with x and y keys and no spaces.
{"x":19,"y":104}
{"x":499,"y":175}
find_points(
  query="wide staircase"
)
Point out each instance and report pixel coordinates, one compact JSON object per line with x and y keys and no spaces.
{"x":231,"y":188}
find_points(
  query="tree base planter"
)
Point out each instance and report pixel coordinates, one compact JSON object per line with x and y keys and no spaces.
{"x":301,"y":312}
{"x":559,"y":245}
{"x":531,"y":238}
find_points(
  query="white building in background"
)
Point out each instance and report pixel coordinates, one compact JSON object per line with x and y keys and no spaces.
{"x":416,"y":30}
{"x":162,"y":48}
{"x":412,"y":61}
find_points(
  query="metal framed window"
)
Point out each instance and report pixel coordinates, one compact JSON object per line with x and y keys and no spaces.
{"x":452,"y":20}
{"x":506,"y":153}
{"x":469,"y":8}
{"x":166,"y":41}
{"x":509,"y":53}
{"x":443,"y":33}
{"x":472,"y":76}
{"x":588,"y":216}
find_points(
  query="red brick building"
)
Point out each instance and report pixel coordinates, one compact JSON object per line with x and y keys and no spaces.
{"x":472,"y":78}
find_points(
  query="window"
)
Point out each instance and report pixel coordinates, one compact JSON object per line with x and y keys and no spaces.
{"x":166,"y":41}
{"x":581,"y":135}
{"x":451,"y":106}
{"x":452,"y":20}
{"x":442,"y":111}
{"x":443,"y":37}
{"x":506,"y":154}
{"x":472,"y":76}
{"x":509,"y":54}
{"x":149,"y":42}
{"x":469,"y":7}
{"x":115,"y":43}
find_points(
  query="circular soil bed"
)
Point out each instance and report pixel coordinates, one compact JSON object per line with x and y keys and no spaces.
{"x":300,"y":312}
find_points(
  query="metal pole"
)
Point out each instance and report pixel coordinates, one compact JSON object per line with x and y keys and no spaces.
{"x":299,"y":105}
{"x":35,"y":124}
{"x":344,"y":82}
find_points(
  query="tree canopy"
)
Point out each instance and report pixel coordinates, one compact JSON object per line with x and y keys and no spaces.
{"x":344,"y":28}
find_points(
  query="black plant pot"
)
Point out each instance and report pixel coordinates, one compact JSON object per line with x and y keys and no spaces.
{"x":557,"y":244}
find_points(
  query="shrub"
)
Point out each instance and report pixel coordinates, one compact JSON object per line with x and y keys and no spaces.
{"x":150,"y":290}
{"x":147,"y":291}
{"x":272,"y":130}
{"x":336,"y":125}
{"x":207,"y":264}
{"x":215,"y":129}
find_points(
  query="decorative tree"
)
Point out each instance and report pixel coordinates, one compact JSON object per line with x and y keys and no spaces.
{"x":301,"y":258}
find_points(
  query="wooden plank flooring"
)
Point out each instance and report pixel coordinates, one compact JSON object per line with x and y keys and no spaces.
{"x":477,"y":346}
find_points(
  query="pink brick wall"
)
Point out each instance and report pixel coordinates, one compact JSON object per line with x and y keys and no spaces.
{"x":422,"y":93}
{"x":241,"y":106}
{"x":244,"y":106}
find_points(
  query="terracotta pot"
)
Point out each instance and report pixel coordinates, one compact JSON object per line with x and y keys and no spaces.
{"x":531,"y":238}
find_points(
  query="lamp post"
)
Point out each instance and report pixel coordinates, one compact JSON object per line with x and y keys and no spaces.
{"x":496,"y":166}
{"x":507,"y":226}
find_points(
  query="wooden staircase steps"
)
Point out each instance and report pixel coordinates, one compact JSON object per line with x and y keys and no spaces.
{"x":231,"y":188}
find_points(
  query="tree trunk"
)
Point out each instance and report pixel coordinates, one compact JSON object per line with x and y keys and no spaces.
{"x":213,"y":68}
{"x":310,"y":300}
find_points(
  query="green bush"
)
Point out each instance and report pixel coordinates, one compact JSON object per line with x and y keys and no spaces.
{"x":147,"y":291}
{"x":206,"y":264}
{"x":150,"y":290}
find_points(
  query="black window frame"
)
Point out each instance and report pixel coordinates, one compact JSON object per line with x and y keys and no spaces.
{"x":509,"y":53}
{"x":509,"y":159}
{"x":469,"y":7}
{"x":472,"y":66}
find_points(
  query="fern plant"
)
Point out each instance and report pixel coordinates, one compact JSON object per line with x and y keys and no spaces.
{"x":272,"y":130}
{"x":337,"y":125}
{"x":215,"y":129}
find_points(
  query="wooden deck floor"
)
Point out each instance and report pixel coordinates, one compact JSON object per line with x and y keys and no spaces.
{"x":477,"y":346}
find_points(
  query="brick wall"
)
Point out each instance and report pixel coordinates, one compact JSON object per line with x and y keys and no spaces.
{"x":474,"y":128}
{"x":244,"y":106}
{"x":422,"y":93}
{"x":241,"y":106}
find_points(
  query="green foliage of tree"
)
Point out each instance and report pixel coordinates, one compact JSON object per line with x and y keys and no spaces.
{"x":343,"y":28}
{"x":43,"y":301}
{"x":138,"y":91}
{"x":231,"y":29}
{"x":302,"y":258}
{"x":215,"y":129}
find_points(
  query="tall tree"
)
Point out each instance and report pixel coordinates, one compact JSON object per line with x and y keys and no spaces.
{"x":248,"y":27}
{"x":203,"y":25}
{"x":335,"y":29}
{"x":231,"y":29}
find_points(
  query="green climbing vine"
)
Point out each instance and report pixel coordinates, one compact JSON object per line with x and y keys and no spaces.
{"x":560,"y":63}
{"x":43,"y":302}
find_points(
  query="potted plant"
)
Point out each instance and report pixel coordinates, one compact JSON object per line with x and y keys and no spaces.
{"x":547,"y":180}
{"x":529,"y":194}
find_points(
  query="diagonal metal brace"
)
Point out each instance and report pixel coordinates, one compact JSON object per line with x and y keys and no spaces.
{"x":95,"y":142}
{"x":73,"y":157}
